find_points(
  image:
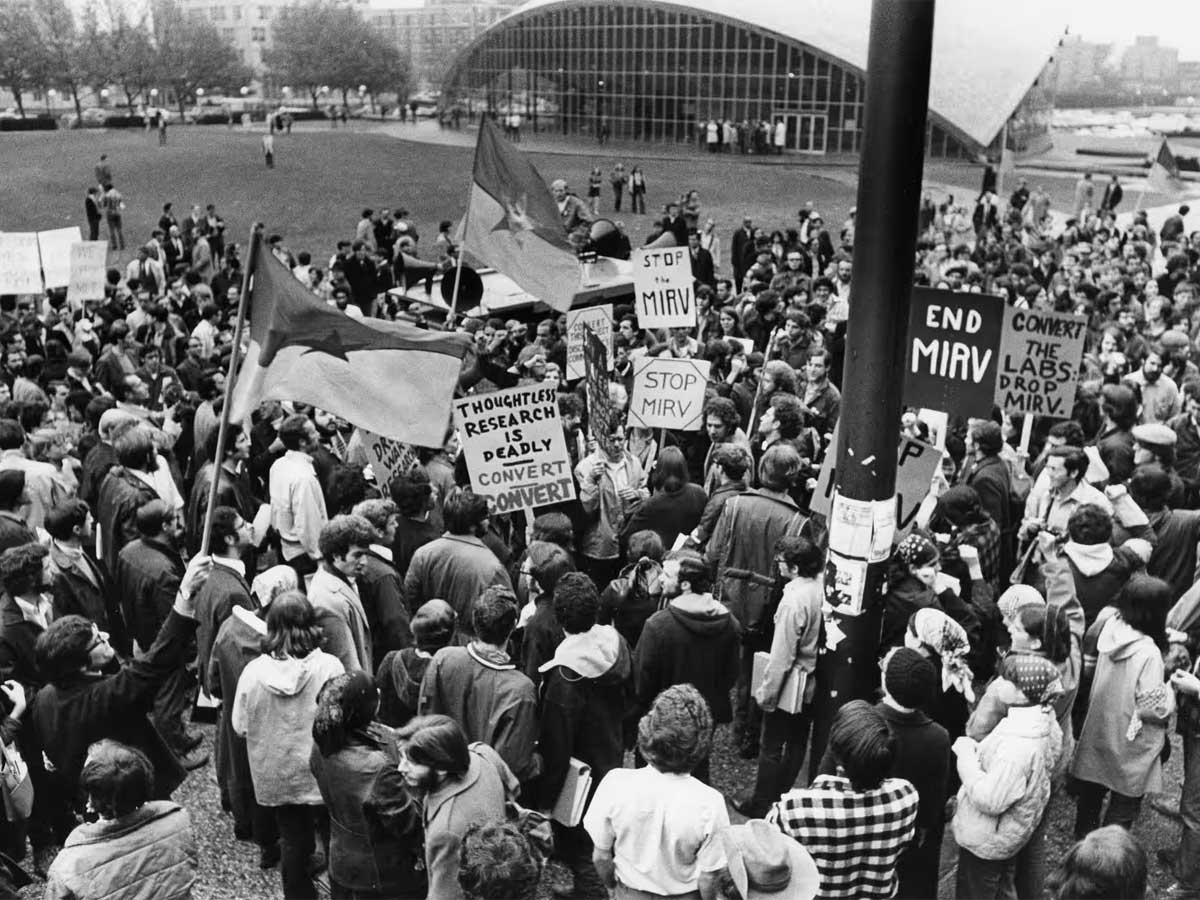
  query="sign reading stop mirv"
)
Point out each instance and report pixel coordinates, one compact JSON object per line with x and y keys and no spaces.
{"x":668,"y":393}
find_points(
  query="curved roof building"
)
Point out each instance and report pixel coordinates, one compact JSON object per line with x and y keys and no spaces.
{"x":654,"y":69}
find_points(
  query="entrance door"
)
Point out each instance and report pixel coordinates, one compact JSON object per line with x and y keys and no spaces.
{"x":810,"y":133}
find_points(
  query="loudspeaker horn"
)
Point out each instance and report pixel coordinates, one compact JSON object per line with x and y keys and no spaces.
{"x":605,"y":239}
{"x":471,"y":291}
{"x":666,"y":239}
{"x":411,"y":271}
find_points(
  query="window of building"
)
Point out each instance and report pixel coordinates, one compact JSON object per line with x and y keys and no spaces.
{"x":237,"y":14}
{"x":217,"y":13}
{"x":258,"y":34}
{"x":264,"y":13}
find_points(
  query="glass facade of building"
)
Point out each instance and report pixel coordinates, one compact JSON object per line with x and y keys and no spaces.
{"x":646,"y":72}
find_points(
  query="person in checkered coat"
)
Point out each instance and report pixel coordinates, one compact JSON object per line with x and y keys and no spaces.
{"x":855,"y":823}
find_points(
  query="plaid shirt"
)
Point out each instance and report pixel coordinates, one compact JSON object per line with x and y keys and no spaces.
{"x":853,"y":836}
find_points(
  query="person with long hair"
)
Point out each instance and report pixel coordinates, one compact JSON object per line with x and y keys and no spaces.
{"x":1120,"y":746}
{"x":675,"y":506}
{"x":273,"y":710}
{"x":375,"y":840}
{"x":460,"y":785}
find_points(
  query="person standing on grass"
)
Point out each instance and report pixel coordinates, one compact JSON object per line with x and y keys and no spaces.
{"x":268,"y":146}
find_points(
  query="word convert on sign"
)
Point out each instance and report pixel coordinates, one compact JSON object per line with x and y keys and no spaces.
{"x":1040,"y":352}
{"x":663,"y":287}
{"x":951,"y":362}
{"x":515,"y":449}
{"x":668,"y":393}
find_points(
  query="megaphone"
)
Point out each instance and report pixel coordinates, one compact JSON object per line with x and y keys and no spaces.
{"x":606,"y":239}
{"x":666,"y":239}
{"x":411,"y":271}
{"x":470,"y":292}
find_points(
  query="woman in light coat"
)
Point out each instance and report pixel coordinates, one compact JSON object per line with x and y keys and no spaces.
{"x":1120,"y":746}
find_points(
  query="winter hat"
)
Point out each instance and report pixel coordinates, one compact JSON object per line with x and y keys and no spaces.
{"x":1034,"y":676}
{"x":433,"y":625}
{"x":909,"y":678}
{"x":916,"y":551}
{"x":274,"y":581}
{"x":1017,"y":597}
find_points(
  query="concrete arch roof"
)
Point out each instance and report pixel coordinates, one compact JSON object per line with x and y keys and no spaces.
{"x":986,"y":54}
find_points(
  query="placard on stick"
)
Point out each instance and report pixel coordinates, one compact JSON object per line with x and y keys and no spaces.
{"x":20,"y":264}
{"x":88,"y":269}
{"x":55,"y":249}
{"x":663,"y":287}
{"x":599,"y":403}
{"x":388,"y":457}
{"x":515,"y":449}
{"x":668,"y":393}
{"x":597,"y":318}
{"x":952,"y":351}
{"x":1040,"y":352}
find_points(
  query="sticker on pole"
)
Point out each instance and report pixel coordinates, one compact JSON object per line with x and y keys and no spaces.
{"x":597,"y":318}
{"x":514,"y":445}
{"x":668,"y":393}
{"x":1040,"y":352}
{"x":952,"y":351}
{"x":663,"y":287}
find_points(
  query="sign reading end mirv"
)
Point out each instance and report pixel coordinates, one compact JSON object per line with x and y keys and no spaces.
{"x":952,"y":351}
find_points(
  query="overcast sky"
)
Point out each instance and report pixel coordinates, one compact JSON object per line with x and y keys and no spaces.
{"x":1177,"y":22}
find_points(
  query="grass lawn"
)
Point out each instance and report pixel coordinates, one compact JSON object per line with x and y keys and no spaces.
{"x":323,"y":178}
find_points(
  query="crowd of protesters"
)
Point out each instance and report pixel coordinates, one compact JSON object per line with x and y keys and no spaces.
{"x":408,"y":682}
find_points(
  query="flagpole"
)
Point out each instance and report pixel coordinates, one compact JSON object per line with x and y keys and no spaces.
{"x":223,"y":429}
{"x":484,"y":122}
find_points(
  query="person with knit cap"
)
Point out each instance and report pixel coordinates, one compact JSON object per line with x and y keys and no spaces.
{"x":400,"y":672}
{"x":1006,"y":780}
{"x":656,"y":829}
{"x":944,"y":643}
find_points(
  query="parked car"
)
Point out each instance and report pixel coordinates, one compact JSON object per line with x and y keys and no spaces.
{"x":93,"y":117}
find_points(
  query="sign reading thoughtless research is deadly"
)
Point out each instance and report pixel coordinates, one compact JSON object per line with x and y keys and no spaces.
{"x":668,"y":393}
{"x":951,"y":360}
{"x":1040,"y":352}
{"x":663,"y":287}
{"x":597,"y":318}
{"x":515,"y":448}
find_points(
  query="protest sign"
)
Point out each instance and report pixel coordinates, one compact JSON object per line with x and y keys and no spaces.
{"x":668,"y":393}
{"x":55,"y":249}
{"x":20,"y":265}
{"x":663,"y":287}
{"x":88,"y":268}
{"x":515,"y":449}
{"x":597,"y":318}
{"x":916,"y":464}
{"x":599,"y":403}
{"x":1040,"y":352}
{"x":388,"y":457}
{"x":952,"y":343}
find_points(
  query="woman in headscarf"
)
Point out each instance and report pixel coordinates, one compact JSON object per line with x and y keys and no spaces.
{"x":944,"y":642}
{"x":916,"y":582}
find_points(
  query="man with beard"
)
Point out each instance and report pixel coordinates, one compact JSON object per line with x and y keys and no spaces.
{"x":1160,"y":395}
{"x":694,"y":640}
{"x":148,"y":574}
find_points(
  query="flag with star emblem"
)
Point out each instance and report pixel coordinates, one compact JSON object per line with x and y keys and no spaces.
{"x":514,"y":226}
{"x":1164,"y":172}
{"x":387,"y":377}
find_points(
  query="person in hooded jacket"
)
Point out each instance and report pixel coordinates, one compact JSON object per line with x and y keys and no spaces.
{"x":1006,"y":779}
{"x":401,"y":671}
{"x":273,"y":709}
{"x":675,"y":506}
{"x":1120,"y":745}
{"x":694,"y":640}
{"x":238,"y":641}
{"x":585,"y":687}
{"x":375,"y":838}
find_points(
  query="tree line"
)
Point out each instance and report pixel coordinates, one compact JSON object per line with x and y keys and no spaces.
{"x":45,"y":46}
